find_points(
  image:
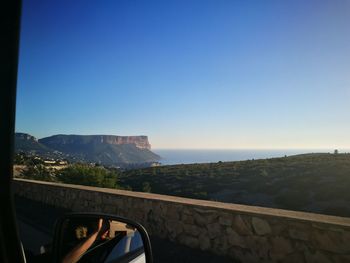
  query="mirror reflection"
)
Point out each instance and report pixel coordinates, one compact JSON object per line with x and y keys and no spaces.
{"x":100,"y":240}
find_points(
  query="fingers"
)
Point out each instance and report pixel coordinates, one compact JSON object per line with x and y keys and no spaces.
{"x":105,"y":234}
{"x":100,"y":223}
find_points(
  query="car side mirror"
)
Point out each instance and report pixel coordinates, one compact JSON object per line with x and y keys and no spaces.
{"x":92,"y":238}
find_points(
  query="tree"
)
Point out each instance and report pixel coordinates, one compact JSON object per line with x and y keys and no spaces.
{"x":38,"y":172}
{"x":146,"y":187}
{"x":88,"y":175}
{"x":336,"y":151}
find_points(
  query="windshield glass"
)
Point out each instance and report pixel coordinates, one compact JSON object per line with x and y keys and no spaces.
{"x":237,"y":102}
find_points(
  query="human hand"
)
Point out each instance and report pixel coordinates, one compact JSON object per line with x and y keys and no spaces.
{"x":100,"y":224}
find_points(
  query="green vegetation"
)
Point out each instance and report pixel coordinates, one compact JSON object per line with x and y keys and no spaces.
{"x":311,"y":182}
{"x":87,"y":175}
{"x":81,"y":174}
{"x":23,"y":159}
{"x":38,"y":172}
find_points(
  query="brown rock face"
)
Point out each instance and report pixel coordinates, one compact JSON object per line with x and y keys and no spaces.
{"x":62,"y":139}
{"x":140,"y":141}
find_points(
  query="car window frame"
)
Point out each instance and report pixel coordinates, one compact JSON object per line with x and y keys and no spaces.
{"x":11,"y":249}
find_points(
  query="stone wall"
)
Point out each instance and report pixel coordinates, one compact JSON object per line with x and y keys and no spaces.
{"x":246,"y":233}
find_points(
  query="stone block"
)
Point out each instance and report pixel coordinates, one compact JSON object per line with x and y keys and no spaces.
{"x":299,"y":234}
{"x":261,"y":226}
{"x":221,"y":245}
{"x":281,"y":245}
{"x":279,"y":229}
{"x":188,"y":211}
{"x":260,"y":245}
{"x":234,"y":239}
{"x":172,"y":213}
{"x":336,"y":242}
{"x":317,"y":257}
{"x":241,"y":227}
{"x":192,"y":230}
{"x":164,"y":209}
{"x":189,"y":241}
{"x":214,"y":230}
{"x":200,"y":220}
{"x":187,"y":219}
{"x":204,"y":241}
{"x":225,"y":220}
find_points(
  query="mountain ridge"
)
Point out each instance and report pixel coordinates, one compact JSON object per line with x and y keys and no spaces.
{"x":140,"y":141}
{"x":111,"y":150}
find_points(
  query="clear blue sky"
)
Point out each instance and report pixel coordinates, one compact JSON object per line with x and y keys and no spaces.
{"x":189,"y":74}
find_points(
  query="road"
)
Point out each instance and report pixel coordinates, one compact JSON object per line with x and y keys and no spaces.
{"x":37,"y":220}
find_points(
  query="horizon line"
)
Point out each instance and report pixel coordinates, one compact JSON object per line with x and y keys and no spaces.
{"x":230,"y":149}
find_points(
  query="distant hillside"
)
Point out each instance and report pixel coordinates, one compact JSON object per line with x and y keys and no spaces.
{"x":104,"y":149}
{"x":27,"y":143}
{"x":309,"y":182}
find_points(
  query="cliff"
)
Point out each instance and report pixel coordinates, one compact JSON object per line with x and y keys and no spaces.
{"x":104,"y":149}
{"x":139,"y":141}
{"x":25,"y":137}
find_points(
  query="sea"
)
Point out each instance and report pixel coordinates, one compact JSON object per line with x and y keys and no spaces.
{"x":176,"y":156}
